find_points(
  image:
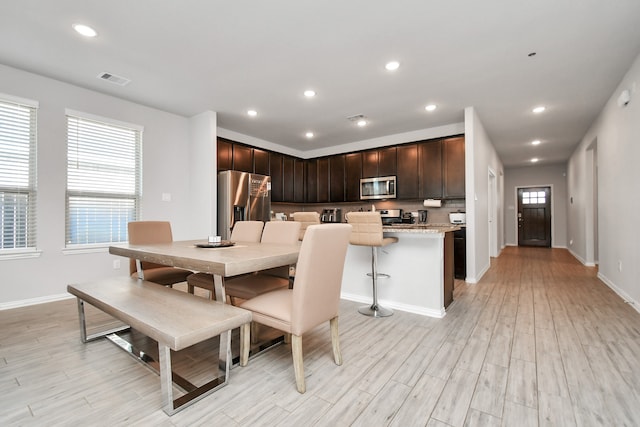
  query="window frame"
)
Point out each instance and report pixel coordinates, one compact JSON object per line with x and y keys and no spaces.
{"x":136,"y":196}
{"x":30,"y":249}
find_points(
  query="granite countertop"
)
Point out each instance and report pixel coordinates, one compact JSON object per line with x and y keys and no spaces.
{"x":420,"y":228}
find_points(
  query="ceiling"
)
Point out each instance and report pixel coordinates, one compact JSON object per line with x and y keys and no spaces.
{"x":191,"y":56}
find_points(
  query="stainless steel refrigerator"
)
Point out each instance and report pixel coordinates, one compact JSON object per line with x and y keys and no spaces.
{"x":242,"y":196}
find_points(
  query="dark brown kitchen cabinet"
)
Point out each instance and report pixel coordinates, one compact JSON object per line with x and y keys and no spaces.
{"x":311,"y":172}
{"x":287,"y":178}
{"x":353,"y":173}
{"x":336,"y":178}
{"x":276,"y":172}
{"x":453,"y":168}
{"x":370,"y":164}
{"x":298,"y":181}
{"x":407,"y":172}
{"x":260,"y":162}
{"x":242,"y":158}
{"x":225,"y":154}
{"x":430,"y":169}
{"x":323,"y":180}
{"x":387,"y":158}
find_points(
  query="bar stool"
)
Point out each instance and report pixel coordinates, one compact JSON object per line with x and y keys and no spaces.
{"x":367,"y":231}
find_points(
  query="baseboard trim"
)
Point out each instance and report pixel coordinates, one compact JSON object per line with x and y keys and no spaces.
{"x":622,"y":294}
{"x":34,"y":301}
{"x":438,"y":314}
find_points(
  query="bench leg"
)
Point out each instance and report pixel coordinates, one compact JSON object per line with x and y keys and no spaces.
{"x":166,"y":380}
{"x":83,"y":326}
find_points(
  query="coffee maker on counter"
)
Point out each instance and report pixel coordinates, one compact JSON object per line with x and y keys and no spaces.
{"x":331,"y":215}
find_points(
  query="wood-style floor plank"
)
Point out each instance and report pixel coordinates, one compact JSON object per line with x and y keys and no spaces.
{"x":540,"y":341}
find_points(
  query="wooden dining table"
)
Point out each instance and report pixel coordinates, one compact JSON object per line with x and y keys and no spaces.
{"x":221,"y":262}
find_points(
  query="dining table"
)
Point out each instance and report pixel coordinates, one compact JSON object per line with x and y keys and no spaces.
{"x":220,"y":261}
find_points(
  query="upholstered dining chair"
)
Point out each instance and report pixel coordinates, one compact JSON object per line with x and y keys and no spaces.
{"x":243,"y":231}
{"x":314,"y":299}
{"x":306,"y":219}
{"x":149,"y":232}
{"x":367,"y":231}
{"x":252,"y":285}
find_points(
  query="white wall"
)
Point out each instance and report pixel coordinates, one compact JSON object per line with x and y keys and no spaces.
{"x":166,"y":160}
{"x":480,"y":156}
{"x":617,"y":133}
{"x":554,"y":176}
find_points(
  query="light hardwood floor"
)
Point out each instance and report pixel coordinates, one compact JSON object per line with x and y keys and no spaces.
{"x":539,"y":341}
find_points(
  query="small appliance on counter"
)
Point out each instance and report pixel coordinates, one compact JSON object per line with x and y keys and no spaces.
{"x":408,"y":218}
{"x":391,"y":216}
{"x":458,"y":218}
{"x":331,"y":215}
{"x":422,"y":216}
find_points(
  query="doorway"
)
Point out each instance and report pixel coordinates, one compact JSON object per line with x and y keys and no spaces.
{"x":534,"y":216}
{"x":492,"y":214}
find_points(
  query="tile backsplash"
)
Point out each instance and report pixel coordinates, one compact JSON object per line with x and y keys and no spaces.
{"x":435,"y":215}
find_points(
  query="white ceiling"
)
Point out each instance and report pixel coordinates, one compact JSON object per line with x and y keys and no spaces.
{"x":190,"y":56}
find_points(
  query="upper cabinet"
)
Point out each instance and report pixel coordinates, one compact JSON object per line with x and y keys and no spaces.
{"x":225,"y":154}
{"x":407,"y":171}
{"x":453,"y":168}
{"x":379,"y":162}
{"x":336,"y":178}
{"x":353,"y":173}
{"x":424,"y":169}
{"x":276,"y":172}
{"x":260,"y":162}
{"x":430,"y":169}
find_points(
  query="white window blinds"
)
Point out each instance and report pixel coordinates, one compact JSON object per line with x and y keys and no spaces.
{"x":103,"y":180}
{"x":17,"y":174}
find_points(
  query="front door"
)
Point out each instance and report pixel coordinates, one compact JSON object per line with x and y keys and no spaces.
{"x":534,"y":216}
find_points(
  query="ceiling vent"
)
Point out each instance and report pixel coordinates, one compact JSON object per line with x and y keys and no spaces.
{"x":356,"y":118}
{"x":112,"y":78}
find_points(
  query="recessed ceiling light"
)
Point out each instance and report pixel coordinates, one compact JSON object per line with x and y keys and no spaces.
{"x":392,"y":66}
{"x":431,"y":107}
{"x":309,"y":93}
{"x":252,"y":113}
{"x":85,"y":30}
{"x":539,"y":109}
{"x":534,"y":160}
{"x":309,"y":134}
{"x":535,"y":142}
{"x":361,"y":122}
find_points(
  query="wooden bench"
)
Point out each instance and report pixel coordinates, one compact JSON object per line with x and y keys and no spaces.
{"x":176,"y":320}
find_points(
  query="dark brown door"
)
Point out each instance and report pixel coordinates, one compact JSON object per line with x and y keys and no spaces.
{"x":534,"y":216}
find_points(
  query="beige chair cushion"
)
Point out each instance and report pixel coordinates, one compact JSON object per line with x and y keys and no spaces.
{"x":367,"y":229}
{"x":306,"y":219}
{"x":247,"y":231}
{"x":285,"y":232}
{"x":151,"y":232}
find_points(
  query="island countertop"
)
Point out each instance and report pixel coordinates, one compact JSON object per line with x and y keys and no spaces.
{"x":420,"y":228}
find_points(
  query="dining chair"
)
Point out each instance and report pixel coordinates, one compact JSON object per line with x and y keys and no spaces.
{"x":367,"y":231}
{"x":252,"y":285}
{"x":314,"y":299}
{"x":243,"y":231}
{"x":306,"y":219}
{"x":150,"y":232}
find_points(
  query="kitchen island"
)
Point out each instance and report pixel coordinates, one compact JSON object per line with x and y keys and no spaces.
{"x":420,"y":266}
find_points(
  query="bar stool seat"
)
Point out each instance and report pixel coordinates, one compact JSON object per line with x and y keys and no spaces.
{"x":367,"y":231}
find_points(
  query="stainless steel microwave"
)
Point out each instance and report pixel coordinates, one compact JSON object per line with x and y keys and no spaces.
{"x":378,"y":188}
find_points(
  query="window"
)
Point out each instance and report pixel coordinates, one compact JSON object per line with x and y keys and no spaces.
{"x":17,"y":175}
{"x":533,"y":198}
{"x":103,"y":179}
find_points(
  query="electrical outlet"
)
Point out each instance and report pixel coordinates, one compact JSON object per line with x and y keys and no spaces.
{"x":116,"y":264}
{"x":166,"y":197}
{"x":571,"y":242}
